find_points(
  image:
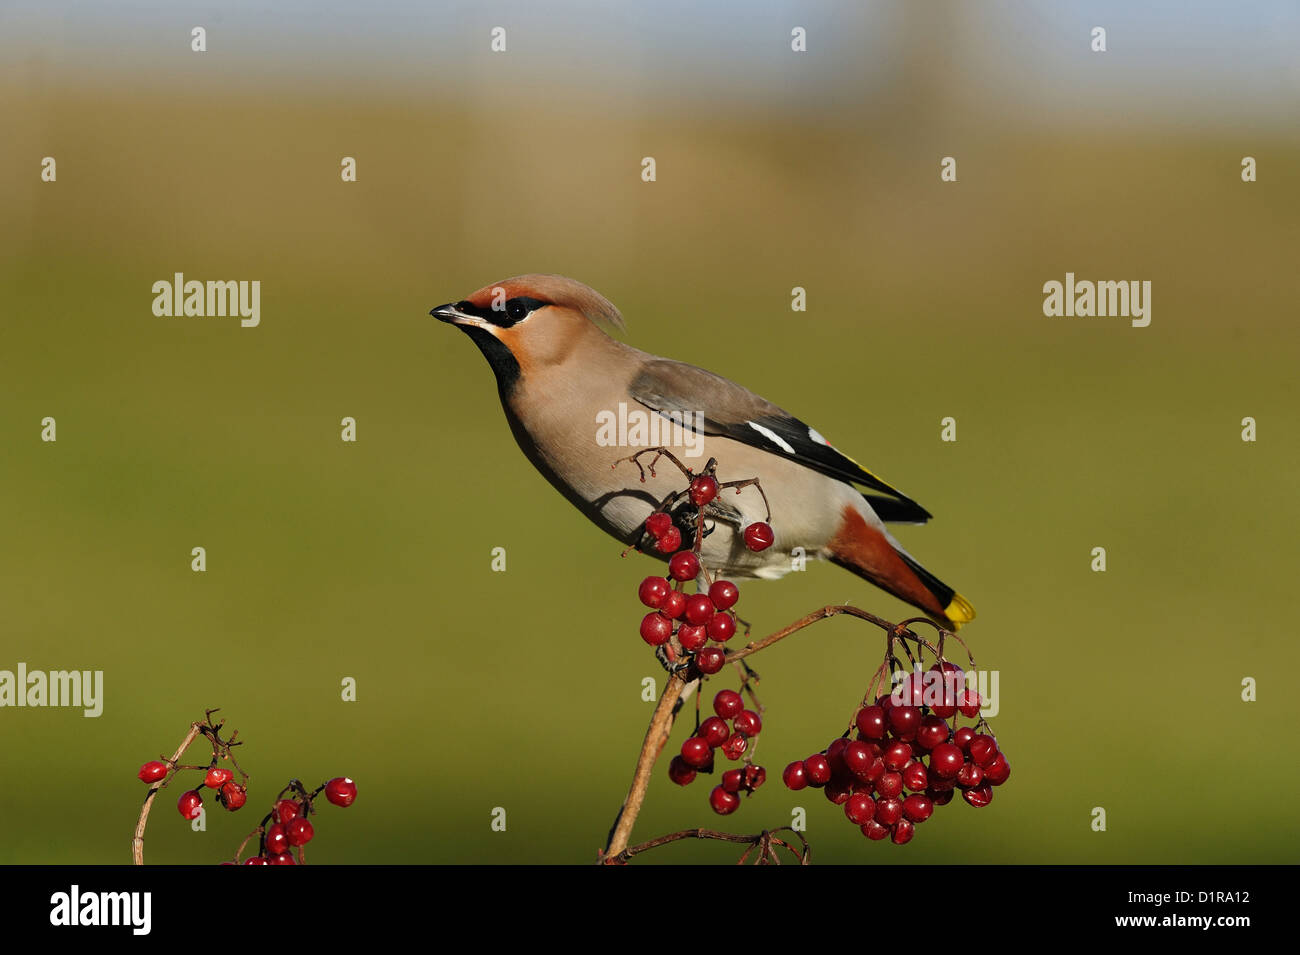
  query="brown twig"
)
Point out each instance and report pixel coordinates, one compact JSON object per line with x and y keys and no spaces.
{"x":661,"y":726}
{"x":833,"y":610}
{"x":765,"y":841}
{"x":137,"y":844}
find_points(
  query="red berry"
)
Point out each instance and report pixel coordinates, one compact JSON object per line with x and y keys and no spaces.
{"x":653,"y":592}
{"x":759,"y":536}
{"x":945,"y":688}
{"x":711,"y":659}
{"x":979,"y":796}
{"x":904,"y":721}
{"x":747,"y":723}
{"x":728,"y":704}
{"x":874,"y":830}
{"x":674,"y":604}
{"x":915,"y":777}
{"x":217,"y":777}
{"x":903,"y":832}
{"x":970,"y":775}
{"x":835,"y":756}
{"x":680,"y":772}
{"x":283,"y":858}
{"x":692,"y":638}
{"x":723,"y":802}
{"x":721,"y":627}
{"x":838,"y":791}
{"x":941,"y":798}
{"x":860,"y":808}
{"x":998,"y":771}
{"x":755,"y":776}
{"x":732,"y":780}
{"x":875,"y":770}
{"x":943,"y":711}
{"x":872,"y":723}
{"x":656,"y":629}
{"x":232,"y":796}
{"x":946,"y":761}
{"x":935,"y":784}
{"x":857,"y":759}
{"x":963,"y":737}
{"x":724,"y":594}
{"x":817,"y":769}
{"x":669,"y":541}
{"x":697,"y":752}
{"x":714,"y":731}
{"x":918,"y":808}
{"x":704,"y":488}
{"x":910,"y":690}
{"x":299,"y":831}
{"x":970,"y":706}
{"x":657,"y":524}
{"x":735,"y":746}
{"x":890,"y":784}
{"x":277,"y":840}
{"x":341,"y":791}
{"x":699,"y":608}
{"x":795,"y":776}
{"x":896,"y":755}
{"x":256,"y":860}
{"x":889,"y":810}
{"x":189,"y":804}
{"x":153,"y":771}
{"x":983,"y":750}
{"x":931,"y":732}
{"x":684,"y":565}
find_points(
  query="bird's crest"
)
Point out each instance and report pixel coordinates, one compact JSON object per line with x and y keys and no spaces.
{"x":555,"y":290}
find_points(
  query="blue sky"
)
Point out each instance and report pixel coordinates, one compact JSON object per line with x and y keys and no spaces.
{"x":1200,"y":60}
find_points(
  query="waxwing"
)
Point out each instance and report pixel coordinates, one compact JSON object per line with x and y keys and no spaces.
{"x":577,"y":400}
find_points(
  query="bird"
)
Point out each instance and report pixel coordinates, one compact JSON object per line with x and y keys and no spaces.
{"x":563,"y":380}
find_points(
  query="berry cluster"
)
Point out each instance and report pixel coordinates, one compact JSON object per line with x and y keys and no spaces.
{"x":696,"y":619}
{"x":906,"y":759}
{"x":714,"y":734}
{"x":289,"y":826}
{"x":230,"y":794}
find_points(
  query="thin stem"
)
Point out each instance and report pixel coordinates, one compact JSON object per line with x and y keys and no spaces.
{"x":137,"y":844}
{"x":809,"y":620}
{"x":765,"y":841}
{"x":661,"y":725}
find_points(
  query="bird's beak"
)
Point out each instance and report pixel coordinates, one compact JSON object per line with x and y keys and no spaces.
{"x":451,"y":314}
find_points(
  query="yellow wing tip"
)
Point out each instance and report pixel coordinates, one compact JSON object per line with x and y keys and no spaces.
{"x":959,"y":611}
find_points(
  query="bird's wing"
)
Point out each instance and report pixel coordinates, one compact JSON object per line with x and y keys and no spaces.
{"x":681,"y":390}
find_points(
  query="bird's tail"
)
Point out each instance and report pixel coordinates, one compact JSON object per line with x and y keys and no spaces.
{"x":956,"y":608}
{"x":871,"y":553}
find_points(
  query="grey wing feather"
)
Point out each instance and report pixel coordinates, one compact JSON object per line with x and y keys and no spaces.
{"x":676,"y":388}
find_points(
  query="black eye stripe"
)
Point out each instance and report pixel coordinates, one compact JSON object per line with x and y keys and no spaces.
{"x":515,"y":311}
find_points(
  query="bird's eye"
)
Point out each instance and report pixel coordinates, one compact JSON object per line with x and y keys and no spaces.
{"x":516,"y":309}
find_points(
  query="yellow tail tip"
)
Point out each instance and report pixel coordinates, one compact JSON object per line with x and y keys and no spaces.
{"x":959,"y":611}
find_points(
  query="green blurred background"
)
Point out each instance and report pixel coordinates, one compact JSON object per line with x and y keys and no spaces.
{"x":522,"y":689}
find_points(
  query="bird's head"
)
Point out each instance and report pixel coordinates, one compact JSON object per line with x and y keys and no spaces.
{"x":529,"y":323}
